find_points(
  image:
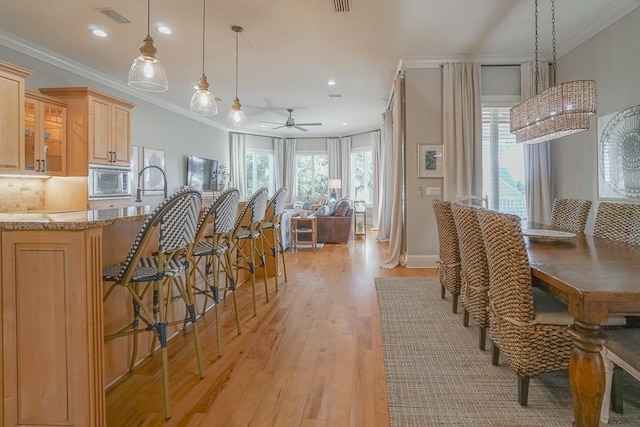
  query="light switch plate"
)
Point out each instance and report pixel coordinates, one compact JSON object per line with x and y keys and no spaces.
{"x":433,"y":191}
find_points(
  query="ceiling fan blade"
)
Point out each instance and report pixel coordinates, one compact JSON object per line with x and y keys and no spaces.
{"x":278,"y":127}
{"x":309,"y":124}
{"x":299,"y":128}
{"x":272,"y":123}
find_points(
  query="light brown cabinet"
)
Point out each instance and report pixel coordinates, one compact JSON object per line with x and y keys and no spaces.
{"x":98,"y":128}
{"x":45,"y":134}
{"x":12,"y":117}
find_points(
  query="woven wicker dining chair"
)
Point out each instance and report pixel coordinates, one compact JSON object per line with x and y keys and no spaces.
{"x":528,"y":327}
{"x":246,"y":241}
{"x":474,"y":271}
{"x":210,"y":254}
{"x":570,"y":214}
{"x":619,"y":222}
{"x":273,"y":241}
{"x":449,"y":261}
{"x":169,"y":232}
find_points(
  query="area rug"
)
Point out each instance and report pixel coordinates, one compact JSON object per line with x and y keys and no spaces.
{"x":437,"y":375}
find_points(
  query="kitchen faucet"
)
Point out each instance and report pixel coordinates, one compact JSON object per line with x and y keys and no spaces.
{"x":164,"y":177}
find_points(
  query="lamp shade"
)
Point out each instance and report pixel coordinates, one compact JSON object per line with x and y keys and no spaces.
{"x":203,"y":102}
{"x":236,"y":116}
{"x":335,"y":184}
{"x":146,"y":72}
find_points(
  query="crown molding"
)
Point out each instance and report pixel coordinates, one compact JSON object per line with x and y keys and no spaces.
{"x":52,"y":58}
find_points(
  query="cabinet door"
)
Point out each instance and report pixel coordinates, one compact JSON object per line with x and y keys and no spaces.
{"x":54,"y":138}
{"x":32,"y":130}
{"x":99,"y":131}
{"x":121,"y":142}
{"x":11,"y":122}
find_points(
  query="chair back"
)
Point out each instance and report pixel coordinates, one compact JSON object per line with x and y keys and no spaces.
{"x":570,"y":214}
{"x":474,"y":270}
{"x":222,"y":211}
{"x":275,"y":207}
{"x":619,"y":222}
{"x":253,"y":212}
{"x":510,"y":287}
{"x":176,"y":217}
{"x":449,"y":270}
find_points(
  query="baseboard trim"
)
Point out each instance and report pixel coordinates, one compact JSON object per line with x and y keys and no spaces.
{"x":422,"y":261}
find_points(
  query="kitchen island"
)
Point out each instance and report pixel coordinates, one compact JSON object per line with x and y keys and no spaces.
{"x":53,"y":359}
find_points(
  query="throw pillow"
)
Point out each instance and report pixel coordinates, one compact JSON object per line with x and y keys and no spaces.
{"x":306,"y":205}
{"x":323,"y":211}
{"x":342,"y":208}
{"x":297,"y":205}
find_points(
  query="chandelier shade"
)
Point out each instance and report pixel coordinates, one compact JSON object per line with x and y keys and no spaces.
{"x":203,"y":102}
{"x":146,"y":72}
{"x":561,"y":110}
{"x":558,"y":111}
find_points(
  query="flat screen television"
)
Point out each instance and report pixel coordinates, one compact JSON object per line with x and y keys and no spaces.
{"x":201,"y":173}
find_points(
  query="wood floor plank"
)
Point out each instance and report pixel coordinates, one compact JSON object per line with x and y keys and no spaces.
{"x":311,"y":357}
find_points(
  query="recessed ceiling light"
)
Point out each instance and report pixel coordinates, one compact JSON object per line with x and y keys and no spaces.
{"x":98,"y":32}
{"x":263,"y":126}
{"x":344,"y":124}
{"x":331,"y":82}
{"x":164,"y":29}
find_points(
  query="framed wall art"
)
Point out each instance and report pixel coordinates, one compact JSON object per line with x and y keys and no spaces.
{"x":619,"y":154}
{"x":152,"y":180}
{"x":430,"y":161}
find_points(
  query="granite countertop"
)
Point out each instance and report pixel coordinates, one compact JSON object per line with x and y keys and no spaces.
{"x":72,"y":220}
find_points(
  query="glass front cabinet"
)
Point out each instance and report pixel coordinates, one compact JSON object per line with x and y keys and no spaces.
{"x":45,"y":134}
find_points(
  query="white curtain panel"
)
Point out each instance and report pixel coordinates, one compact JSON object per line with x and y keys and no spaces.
{"x":290,"y":180}
{"x":462,"y":129}
{"x":538,"y":173}
{"x":396,"y":253}
{"x":279,"y":162}
{"x":345,"y":167}
{"x":376,"y":160}
{"x":333,"y":151}
{"x":386,"y":177}
{"x":238,"y":155}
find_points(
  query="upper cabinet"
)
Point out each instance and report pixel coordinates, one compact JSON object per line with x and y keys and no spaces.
{"x":45,"y":134}
{"x":98,"y":128}
{"x":12,"y":117}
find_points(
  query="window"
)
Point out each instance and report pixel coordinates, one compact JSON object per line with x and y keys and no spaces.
{"x":259,"y":171}
{"x":502,"y":163}
{"x":312,"y":171}
{"x":362,"y":175}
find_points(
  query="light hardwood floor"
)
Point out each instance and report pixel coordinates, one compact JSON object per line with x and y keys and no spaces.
{"x":311,"y":357}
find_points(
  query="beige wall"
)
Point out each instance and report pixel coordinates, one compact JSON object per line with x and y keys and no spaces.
{"x":612,"y":59}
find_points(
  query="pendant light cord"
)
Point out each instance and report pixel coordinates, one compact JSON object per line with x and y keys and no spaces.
{"x":204,"y":13}
{"x":148,"y":16}
{"x":536,"y":64}
{"x":236,"y":64}
{"x":553,"y":37}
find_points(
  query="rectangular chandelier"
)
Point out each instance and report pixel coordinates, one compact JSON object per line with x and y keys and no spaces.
{"x":559,"y":111}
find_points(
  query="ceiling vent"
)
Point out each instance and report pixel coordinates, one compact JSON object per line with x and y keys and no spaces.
{"x":115,"y":16}
{"x":342,"y":5}
{"x":335,"y":95}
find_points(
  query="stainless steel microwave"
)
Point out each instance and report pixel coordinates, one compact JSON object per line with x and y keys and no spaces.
{"x":109,"y":182}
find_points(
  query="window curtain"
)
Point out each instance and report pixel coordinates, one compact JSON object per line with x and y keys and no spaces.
{"x":279,"y":162}
{"x":537,"y":157}
{"x":396,"y":252}
{"x":238,"y":156}
{"x":290,"y":180}
{"x":462,"y":130}
{"x":345,"y":166}
{"x":376,"y":160}
{"x":385,"y":181}
{"x":333,"y":151}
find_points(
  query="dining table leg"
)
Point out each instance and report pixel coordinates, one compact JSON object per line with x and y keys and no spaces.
{"x":586,"y":373}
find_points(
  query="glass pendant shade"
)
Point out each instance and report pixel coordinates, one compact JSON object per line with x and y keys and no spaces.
{"x":203,"y":102}
{"x":236,"y":115}
{"x":146,"y":72}
{"x":559,"y":111}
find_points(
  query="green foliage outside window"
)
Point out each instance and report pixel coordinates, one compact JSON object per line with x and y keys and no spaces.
{"x":312,"y":173}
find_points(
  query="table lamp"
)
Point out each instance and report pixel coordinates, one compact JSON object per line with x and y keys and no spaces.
{"x":334,"y":185}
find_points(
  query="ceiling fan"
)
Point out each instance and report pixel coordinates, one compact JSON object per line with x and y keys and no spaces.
{"x":290,"y":123}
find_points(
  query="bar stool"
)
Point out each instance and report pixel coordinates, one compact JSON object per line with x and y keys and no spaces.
{"x":449,"y":256}
{"x":248,"y":229}
{"x":212,"y":245}
{"x":273,"y":215}
{"x":169,"y":231}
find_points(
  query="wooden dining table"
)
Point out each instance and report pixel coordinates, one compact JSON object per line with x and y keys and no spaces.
{"x":595,"y":278}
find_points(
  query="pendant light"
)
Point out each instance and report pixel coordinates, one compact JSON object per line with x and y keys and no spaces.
{"x":236,"y":117}
{"x":561,"y":110}
{"x":146,"y":72}
{"x":203,"y":102}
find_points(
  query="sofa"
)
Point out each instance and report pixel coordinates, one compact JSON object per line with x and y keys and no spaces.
{"x":334,"y":221}
{"x":307,"y":203}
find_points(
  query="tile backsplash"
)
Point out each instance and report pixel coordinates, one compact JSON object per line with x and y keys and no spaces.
{"x":21,"y":194}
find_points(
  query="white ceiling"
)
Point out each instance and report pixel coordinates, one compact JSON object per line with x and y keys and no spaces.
{"x":290,"y":48}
